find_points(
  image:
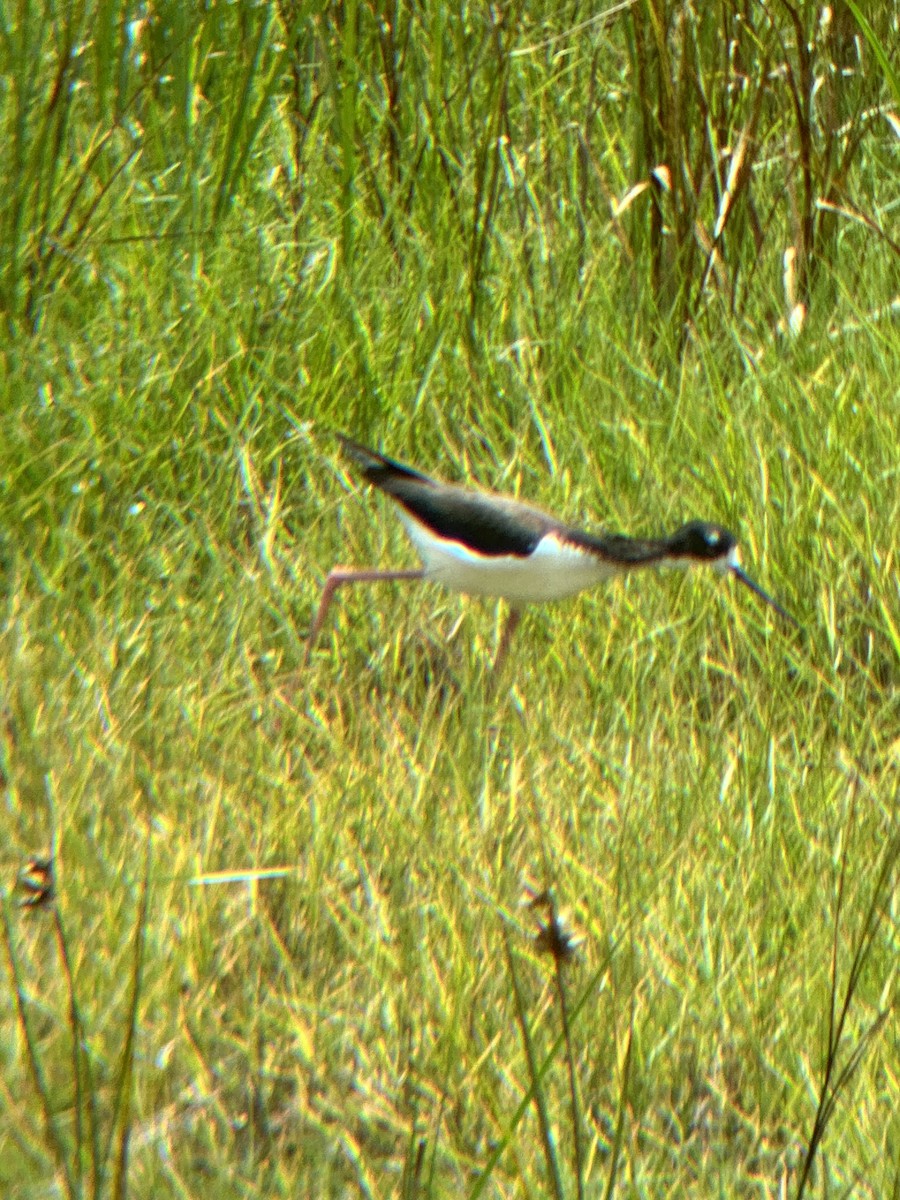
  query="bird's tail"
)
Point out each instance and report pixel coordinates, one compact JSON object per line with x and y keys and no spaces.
{"x":376,"y":468}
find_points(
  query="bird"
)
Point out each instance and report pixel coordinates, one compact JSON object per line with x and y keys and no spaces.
{"x":483,"y":544}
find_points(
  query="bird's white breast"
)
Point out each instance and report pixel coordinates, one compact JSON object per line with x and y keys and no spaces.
{"x":554,"y":570}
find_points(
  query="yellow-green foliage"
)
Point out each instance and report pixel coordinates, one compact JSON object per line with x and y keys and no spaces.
{"x":226,"y":233}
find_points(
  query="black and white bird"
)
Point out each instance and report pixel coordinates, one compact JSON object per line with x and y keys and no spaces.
{"x":482,"y":544}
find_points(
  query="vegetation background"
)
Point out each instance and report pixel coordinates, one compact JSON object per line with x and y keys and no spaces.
{"x":261,"y":926}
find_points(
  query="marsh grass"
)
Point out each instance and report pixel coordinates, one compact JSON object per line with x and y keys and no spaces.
{"x":226,"y":233}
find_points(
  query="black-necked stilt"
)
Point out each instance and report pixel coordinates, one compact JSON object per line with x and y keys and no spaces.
{"x":488,"y":545}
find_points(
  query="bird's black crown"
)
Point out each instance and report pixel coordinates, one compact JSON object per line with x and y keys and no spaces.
{"x":702,"y":541}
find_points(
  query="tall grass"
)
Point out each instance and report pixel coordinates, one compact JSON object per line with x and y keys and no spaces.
{"x":637,"y":266}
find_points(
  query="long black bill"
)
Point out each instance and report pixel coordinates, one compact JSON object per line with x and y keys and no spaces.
{"x":754,"y":587}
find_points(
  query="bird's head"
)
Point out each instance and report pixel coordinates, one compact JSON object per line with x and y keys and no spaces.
{"x":703,"y":542}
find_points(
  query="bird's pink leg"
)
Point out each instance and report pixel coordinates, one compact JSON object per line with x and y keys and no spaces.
{"x":340,"y":576}
{"x":512,"y":624}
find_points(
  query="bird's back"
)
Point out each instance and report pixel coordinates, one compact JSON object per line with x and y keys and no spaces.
{"x":491,"y":525}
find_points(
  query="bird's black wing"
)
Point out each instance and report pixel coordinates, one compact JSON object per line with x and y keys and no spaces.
{"x":487,"y":524}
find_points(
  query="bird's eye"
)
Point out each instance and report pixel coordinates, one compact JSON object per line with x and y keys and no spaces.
{"x":713,"y":538}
